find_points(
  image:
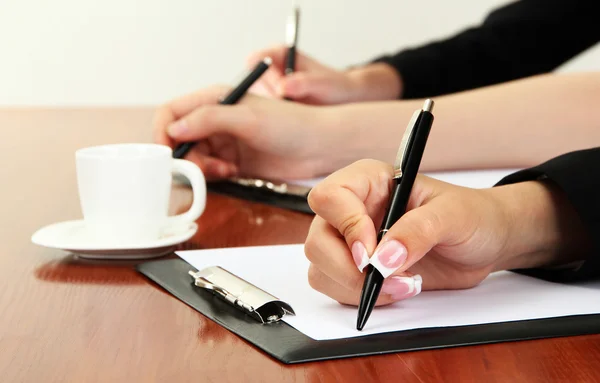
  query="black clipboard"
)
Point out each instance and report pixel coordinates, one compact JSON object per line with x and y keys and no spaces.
{"x":281,"y":194}
{"x":288,"y":345}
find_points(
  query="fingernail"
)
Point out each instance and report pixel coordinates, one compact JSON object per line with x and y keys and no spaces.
{"x":360,"y":256}
{"x":217,"y":169}
{"x":177,"y":128}
{"x":221,"y":169}
{"x":402,"y":287}
{"x":389,"y":257}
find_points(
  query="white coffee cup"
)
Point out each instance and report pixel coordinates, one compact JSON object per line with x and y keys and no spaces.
{"x":124,"y":191}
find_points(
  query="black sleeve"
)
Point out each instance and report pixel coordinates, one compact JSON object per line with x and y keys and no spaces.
{"x":522,"y":39}
{"x":578,"y":175}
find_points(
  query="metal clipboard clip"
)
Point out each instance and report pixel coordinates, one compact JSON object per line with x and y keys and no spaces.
{"x":243,"y":295}
{"x":273,"y":186}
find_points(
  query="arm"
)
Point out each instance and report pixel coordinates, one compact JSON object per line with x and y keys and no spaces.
{"x":577,"y":175}
{"x":513,"y":125}
{"x":524,"y":38}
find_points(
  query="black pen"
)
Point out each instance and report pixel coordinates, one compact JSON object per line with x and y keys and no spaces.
{"x":406,"y":168}
{"x":236,"y":94}
{"x":292,"y":40}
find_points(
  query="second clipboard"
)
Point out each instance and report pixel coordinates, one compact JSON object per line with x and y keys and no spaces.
{"x":280,"y":194}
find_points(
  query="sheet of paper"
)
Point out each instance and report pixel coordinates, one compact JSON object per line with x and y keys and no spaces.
{"x":476,"y":179}
{"x":468,"y":178}
{"x":504,"y":296}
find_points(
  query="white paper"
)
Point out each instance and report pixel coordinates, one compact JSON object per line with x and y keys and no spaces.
{"x":469,"y":178}
{"x":504,"y":296}
{"x":476,"y":179}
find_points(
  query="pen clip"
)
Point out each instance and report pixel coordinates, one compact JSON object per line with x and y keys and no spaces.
{"x":273,"y":186}
{"x":405,"y":144}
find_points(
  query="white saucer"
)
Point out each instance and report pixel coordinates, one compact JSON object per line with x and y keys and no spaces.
{"x":69,"y":236}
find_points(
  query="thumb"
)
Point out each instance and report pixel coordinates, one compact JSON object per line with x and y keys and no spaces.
{"x":300,"y":85}
{"x":237,"y":120}
{"x":413,"y":236}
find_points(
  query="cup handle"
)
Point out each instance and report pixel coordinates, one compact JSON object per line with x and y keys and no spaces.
{"x":193,"y":173}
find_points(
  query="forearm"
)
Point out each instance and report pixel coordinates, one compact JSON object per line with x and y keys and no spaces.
{"x":366,"y":130}
{"x":514,"y":125}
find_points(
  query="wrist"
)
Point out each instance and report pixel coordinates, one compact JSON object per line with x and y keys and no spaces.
{"x":365,"y":130}
{"x":375,"y":82}
{"x":543,"y":228}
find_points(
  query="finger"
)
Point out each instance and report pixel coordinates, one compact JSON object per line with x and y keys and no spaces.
{"x":237,"y":120}
{"x":271,"y":81}
{"x":212,"y":167}
{"x":393,"y":290}
{"x":277,"y":53}
{"x":261,"y":88}
{"x":188,"y":103}
{"x":268,"y":84}
{"x":168,"y":114}
{"x":310,"y":85}
{"x":311,"y":80}
{"x":350,"y":198}
{"x":329,"y":252}
{"x":163,"y":117}
{"x":413,"y":236}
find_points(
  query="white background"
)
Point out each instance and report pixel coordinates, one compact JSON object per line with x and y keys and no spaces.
{"x":144,"y":52}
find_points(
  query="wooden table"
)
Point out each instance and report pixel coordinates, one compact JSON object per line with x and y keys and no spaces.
{"x":68,"y":320}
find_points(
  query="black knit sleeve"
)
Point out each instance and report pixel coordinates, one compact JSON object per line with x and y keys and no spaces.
{"x":521,"y":39}
{"x":578,"y":175}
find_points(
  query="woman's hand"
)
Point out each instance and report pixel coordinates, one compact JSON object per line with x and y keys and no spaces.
{"x":258,"y":137}
{"x":318,"y":84}
{"x":450,"y":238}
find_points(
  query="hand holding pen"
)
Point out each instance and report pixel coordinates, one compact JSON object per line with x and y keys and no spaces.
{"x":450,"y":238}
{"x":345,"y":212}
{"x":233,"y":97}
{"x":257,"y":137}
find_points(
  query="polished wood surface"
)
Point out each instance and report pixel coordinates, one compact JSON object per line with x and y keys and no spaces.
{"x":63,"y":319}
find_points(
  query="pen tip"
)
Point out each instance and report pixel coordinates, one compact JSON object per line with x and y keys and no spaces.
{"x":361,"y":321}
{"x":268,"y":60}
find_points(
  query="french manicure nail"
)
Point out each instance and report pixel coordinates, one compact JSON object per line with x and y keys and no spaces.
{"x":402,"y":287}
{"x":388,"y":257}
{"x":177,"y":128}
{"x":360,"y":256}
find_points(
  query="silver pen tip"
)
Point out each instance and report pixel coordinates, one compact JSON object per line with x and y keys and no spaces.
{"x":268,"y":60}
{"x":428,"y":105}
